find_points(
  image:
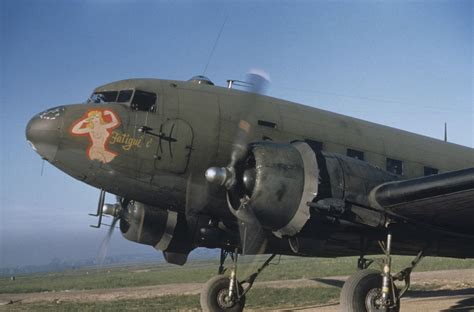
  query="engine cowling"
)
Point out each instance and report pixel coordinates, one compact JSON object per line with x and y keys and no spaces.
{"x":279,"y":180}
{"x":163,"y":229}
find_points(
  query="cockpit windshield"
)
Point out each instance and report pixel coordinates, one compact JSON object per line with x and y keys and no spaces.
{"x":122,"y":96}
{"x":103,"y":97}
{"x":142,"y":100}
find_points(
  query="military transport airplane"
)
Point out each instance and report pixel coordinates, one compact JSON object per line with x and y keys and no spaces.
{"x":197,"y":165}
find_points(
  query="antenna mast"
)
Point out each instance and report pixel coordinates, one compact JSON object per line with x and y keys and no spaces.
{"x":445,"y":132}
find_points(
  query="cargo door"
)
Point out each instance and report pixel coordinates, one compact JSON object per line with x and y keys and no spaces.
{"x":174,"y":146}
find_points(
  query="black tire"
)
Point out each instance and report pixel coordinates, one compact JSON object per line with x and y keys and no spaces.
{"x":212,"y":296}
{"x":360,"y":291}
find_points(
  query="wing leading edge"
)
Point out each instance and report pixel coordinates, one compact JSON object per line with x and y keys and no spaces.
{"x":444,"y":200}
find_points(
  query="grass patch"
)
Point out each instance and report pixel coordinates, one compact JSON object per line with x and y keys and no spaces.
{"x":165,"y":303}
{"x":201,"y":271}
{"x":258,"y":298}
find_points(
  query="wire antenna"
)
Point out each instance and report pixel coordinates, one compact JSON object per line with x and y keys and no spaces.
{"x":215,"y":44}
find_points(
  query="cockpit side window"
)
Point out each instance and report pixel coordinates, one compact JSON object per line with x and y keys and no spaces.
{"x":103,"y":97}
{"x":144,"y":101}
{"x":124,"y":96}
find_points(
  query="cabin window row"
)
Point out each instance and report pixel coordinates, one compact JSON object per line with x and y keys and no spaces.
{"x":392,"y":165}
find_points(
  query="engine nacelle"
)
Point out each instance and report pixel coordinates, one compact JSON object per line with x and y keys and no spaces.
{"x":163,"y":229}
{"x":343,"y":177}
{"x":279,"y":180}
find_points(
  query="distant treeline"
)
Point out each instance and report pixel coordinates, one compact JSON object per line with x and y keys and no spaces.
{"x":57,"y":265}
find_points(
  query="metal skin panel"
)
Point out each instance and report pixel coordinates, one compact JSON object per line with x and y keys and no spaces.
{"x":376,"y":141}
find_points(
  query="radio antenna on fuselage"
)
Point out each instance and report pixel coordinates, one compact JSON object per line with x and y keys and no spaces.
{"x":215,"y":45}
{"x":445,"y":132}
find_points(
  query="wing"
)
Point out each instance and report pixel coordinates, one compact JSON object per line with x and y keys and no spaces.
{"x":444,"y":200}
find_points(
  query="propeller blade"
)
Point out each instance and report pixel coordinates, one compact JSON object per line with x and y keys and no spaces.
{"x":117,"y":211}
{"x":239,"y":149}
{"x":253,"y":239}
{"x":197,"y":193}
{"x":258,"y":81}
{"x":252,"y":235}
{"x":104,"y":246}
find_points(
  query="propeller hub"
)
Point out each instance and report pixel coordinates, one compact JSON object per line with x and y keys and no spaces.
{"x":217,"y":175}
{"x":112,"y":210}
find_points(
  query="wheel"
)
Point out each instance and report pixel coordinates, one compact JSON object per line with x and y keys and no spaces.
{"x":362,"y":292}
{"x":215,"y":296}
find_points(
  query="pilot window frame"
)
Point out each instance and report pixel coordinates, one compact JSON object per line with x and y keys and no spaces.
{"x":353,"y":153}
{"x":128,"y":99}
{"x":145,"y":107}
{"x":394,"y":166}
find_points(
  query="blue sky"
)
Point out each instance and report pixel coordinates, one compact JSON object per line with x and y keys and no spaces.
{"x":407,"y":64}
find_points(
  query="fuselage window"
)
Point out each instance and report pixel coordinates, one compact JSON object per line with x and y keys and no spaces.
{"x":103,"y":97}
{"x":355,"y":154}
{"x":430,"y":171}
{"x":144,"y":101}
{"x":268,"y":124}
{"x":315,"y":145}
{"x":395,"y":166}
{"x":124,"y":96}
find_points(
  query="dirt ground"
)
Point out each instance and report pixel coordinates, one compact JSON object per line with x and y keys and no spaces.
{"x":454,"y":292}
{"x":430,"y":302}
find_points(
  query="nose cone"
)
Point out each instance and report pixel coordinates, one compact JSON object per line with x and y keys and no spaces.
{"x":43,"y":132}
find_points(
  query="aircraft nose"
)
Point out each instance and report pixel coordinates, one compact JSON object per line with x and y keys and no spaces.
{"x":43,"y":132}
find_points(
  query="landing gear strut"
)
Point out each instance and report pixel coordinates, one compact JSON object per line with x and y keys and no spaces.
{"x":226,"y":293}
{"x":371,"y":290}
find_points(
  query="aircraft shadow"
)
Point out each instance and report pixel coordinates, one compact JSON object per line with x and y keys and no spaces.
{"x":439,"y":293}
{"x":329,"y":282}
{"x":463,"y":305}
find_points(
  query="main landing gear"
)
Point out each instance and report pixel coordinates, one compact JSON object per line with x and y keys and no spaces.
{"x":371,"y":290}
{"x":224,"y":292}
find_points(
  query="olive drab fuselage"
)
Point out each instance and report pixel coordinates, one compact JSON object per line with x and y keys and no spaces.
{"x":156,"y":150}
{"x":197,"y":126}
